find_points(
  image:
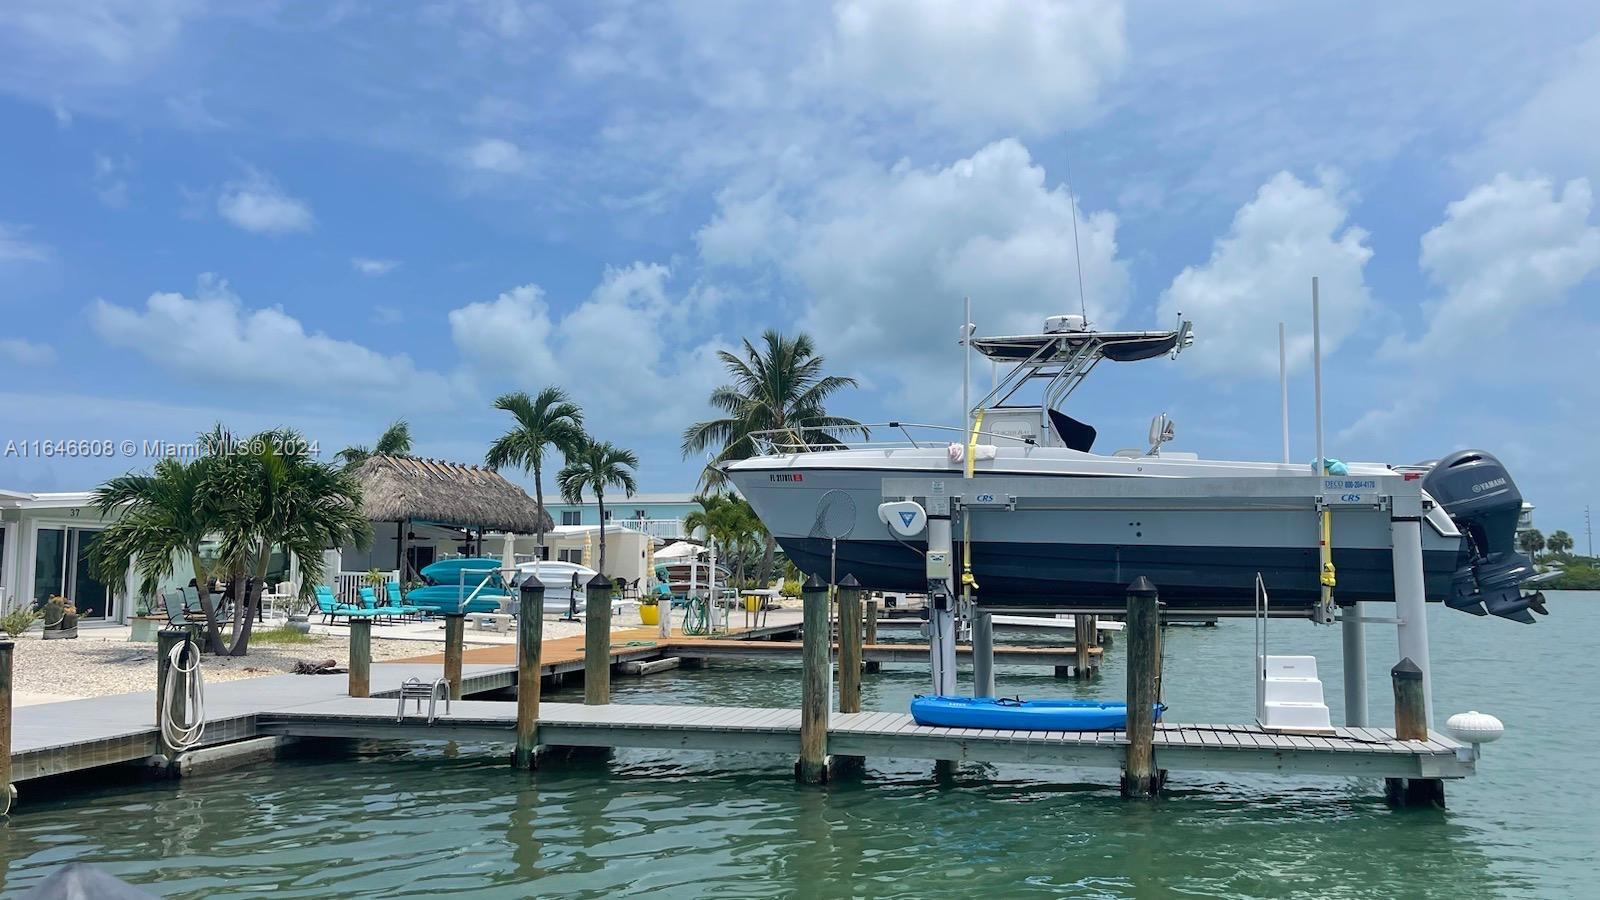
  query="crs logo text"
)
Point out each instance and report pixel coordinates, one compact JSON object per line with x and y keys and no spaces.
{"x":1487,"y":485}
{"x":790,"y":476}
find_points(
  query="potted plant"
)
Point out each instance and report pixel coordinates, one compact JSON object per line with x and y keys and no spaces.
{"x":145,"y":623}
{"x":649,"y":612}
{"x":60,"y":619}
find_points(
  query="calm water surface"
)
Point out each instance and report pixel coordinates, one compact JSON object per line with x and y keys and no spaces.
{"x":455,"y":820}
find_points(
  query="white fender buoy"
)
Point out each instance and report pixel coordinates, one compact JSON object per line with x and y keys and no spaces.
{"x":1475,"y":727}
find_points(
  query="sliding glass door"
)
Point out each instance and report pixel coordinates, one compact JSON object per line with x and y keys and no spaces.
{"x":61,"y":566}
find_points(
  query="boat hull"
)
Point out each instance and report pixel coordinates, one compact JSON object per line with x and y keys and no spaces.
{"x":1202,"y":553}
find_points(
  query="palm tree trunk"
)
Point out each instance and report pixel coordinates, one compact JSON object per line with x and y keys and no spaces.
{"x":214,"y":644}
{"x":247,"y":609}
{"x":766,"y":560}
{"x":538,"y":499}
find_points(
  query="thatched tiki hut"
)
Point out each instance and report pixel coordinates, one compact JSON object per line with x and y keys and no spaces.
{"x":443,"y":498}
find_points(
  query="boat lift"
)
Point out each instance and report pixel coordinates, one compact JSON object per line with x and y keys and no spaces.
{"x":913,"y":505}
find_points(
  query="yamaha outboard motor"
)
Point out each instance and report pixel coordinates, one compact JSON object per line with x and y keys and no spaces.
{"x":1478,"y":494}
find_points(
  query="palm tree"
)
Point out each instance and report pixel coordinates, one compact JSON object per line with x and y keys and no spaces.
{"x":596,"y":465}
{"x":776,"y":388}
{"x":273,"y":495}
{"x":165,"y":516}
{"x":730,"y":522}
{"x":1559,"y":543}
{"x":1531,"y":542}
{"x":550,"y":420}
{"x":395,"y":441}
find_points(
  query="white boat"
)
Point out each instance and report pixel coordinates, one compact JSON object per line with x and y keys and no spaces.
{"x":563,"y":581}
{"x":818,"y":491}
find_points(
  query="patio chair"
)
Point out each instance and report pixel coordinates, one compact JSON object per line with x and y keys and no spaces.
{"x":191,"y":605}
{"x":369,"y":600}
{"x":177,"y":616}
{"x":395,"y":600}
{"x":331,"y":608}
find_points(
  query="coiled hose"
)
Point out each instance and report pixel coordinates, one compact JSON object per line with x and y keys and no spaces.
{"x":177,"y":735}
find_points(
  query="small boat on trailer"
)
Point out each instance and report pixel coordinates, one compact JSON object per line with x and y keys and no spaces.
{"x":1016,"y":714}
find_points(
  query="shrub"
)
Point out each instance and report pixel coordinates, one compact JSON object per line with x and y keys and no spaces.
{"x":19,"y":620}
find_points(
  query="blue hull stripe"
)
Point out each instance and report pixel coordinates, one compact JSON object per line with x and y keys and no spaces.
{"x":1190,"y":578}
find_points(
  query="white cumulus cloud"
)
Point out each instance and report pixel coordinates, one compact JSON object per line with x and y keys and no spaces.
{"x":1505,"y":247}
{"x":885,"y":256}
{"x":15,"y":247}
{"x":1259,"y":274}
{"x":628,"y":352}
{"x":1035,"y":65}
{"x":257,"y":204}
{"x":497,"y":155}
{"x":213,"y":337}
{"x":22,"y":352}
{"x":368,"y":266}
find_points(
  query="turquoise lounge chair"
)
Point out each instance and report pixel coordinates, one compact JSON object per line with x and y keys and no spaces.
{"x":331,"y":608}
{"x":396,"y":601}
{"x":369,"y":601}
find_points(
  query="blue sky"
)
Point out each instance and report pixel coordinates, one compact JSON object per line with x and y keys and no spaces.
{"x":331,"y":216}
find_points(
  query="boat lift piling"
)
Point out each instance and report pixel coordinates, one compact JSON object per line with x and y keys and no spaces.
{"x":982,"y":654}
{"x":812,"y":767}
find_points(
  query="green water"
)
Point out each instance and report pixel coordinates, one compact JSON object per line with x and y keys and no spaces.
{"x":445,"y":820}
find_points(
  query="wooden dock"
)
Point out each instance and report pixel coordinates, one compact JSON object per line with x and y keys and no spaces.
{"x":1364,"y":752}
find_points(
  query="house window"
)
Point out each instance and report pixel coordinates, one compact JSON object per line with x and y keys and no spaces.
{"x":572,"y":517}
{"x":640,"y":514}
{"x":608,"y":515}
{"x":572,"y":556}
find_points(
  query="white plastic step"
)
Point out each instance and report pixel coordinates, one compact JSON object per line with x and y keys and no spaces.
{"x":1295,"y":690}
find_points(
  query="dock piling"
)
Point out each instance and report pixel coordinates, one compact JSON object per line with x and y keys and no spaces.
{"x":1411,"y":724}
{"x":982,"y":654}
{"x":597,"y":642}
{"x":849,"y":645}
{"x":8,"y":792}
{"x":360,"y":657}
{"x":1140,"y":777}
{"x":869,"y":632}
{"x":812,"y":767}
{"x":455,"y":624}
{"x":1084,"y":665}
{"x":530,"y":640}
{"x":1410,"y":601}
{"x":849,"y":662}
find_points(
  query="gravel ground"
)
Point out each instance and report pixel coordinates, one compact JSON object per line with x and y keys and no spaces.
{"x":90,"y":668}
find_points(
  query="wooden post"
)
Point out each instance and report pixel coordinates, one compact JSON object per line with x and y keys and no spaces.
{"x":530,"y":641}
{"x":360,"y":657}
{"x":455,"y":626}
{"x":1094,"y":630}
{"x":8,"y":793}
{"x":813,"y":765}
{"x":982,"y":654}
{"x":1140,"y":777}
{"x":400,"y":561}
{"x":1080,"y":641}
{"x":869,"y":632}
{"x":1411,"y":724}
{"x":597,"y":641}
{"x":849,"y":645}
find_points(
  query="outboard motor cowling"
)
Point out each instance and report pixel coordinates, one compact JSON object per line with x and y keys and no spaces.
{"x":1477,"y":492}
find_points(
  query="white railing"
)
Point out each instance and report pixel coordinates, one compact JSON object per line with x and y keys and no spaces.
{"x":811,"y":438}
{"x":348,"y":588}
{"x":658,"y":528}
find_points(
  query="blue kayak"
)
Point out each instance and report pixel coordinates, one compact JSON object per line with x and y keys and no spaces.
{"x":447,"y":598}
{"x":1022,"y":715}
{"x":449,"y":571}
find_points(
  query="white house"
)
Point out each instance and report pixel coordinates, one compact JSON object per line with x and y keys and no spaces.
{"x":44,"y":550}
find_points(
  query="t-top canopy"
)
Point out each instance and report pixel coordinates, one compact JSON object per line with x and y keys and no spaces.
{"x":1117,"y":346}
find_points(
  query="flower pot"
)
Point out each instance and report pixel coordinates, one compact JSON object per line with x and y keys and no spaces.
{"x":299,"y":622}
{"x":650,"y":614}
{"x":144,"y":628}
{"x":59,"y":633}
